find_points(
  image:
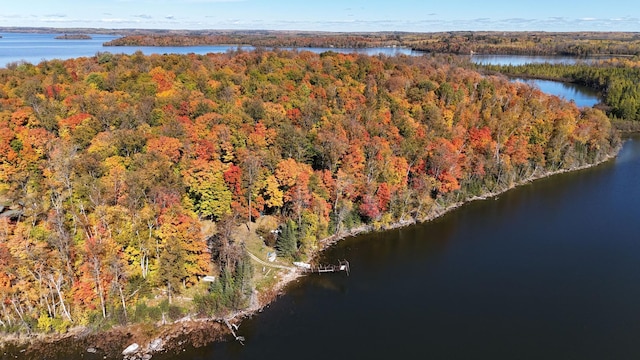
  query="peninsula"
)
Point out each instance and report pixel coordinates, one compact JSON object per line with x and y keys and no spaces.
{"x":130,"y":179}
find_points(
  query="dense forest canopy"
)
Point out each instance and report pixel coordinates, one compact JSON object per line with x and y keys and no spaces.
{"x":110,"y":166}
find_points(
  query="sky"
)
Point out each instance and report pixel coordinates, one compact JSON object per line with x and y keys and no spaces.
{"x":327,"y":15}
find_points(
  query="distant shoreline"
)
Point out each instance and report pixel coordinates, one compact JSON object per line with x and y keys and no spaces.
{"x":580,"y":44}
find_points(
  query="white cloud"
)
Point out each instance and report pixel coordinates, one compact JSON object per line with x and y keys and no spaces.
{"x":56,"y":20}
{"x":115,"y":20}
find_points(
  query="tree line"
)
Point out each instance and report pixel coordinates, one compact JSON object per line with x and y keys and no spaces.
{"x":580,"y":44}
{"x":270,"y":39}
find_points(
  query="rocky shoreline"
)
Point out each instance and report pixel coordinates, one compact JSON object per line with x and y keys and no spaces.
{"x":146,"y":341}
{"x":138,"y":341}
{"x":135,"y":341}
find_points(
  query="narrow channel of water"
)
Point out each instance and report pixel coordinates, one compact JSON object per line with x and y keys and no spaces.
{"x":581,"y":95}
{"x":531,"y":59}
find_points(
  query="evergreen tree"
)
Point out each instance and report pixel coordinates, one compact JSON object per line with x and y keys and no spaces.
{"x":287,"y":243}
{"x":172,"y":269}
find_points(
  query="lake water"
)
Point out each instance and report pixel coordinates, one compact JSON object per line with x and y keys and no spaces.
{"x":550,"y":270}
{"x":530,"y":59}
{"x":581,"y":95}
{"x":34,"y":48}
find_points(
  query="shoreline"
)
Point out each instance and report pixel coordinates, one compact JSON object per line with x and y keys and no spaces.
{"x":168,"y":339}
{"x":363,"y":229}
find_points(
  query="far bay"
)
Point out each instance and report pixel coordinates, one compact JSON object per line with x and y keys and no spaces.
{"x":34,"y":48}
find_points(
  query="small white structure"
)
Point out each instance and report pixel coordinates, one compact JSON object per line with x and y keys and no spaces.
{"x":209,"y":278}
{"x":271,"y":256}
{"x":302,"y":265}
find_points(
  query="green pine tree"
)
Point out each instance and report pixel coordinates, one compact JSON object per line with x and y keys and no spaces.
{"x":287,"y":242}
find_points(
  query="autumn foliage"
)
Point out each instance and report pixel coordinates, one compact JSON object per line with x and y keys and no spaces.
{"x":109,"y":164}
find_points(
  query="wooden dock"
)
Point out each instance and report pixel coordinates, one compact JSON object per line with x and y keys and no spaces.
{"x":343,"y":265}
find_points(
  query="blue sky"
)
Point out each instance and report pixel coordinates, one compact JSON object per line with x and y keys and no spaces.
{"x":327,"y":15}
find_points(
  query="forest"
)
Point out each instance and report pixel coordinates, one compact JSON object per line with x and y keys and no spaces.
{"x":579,"y":44}
{"x":125,"y":178}
{"x":267,"y":39}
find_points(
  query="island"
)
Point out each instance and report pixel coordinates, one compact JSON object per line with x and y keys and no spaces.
{"x":73,"y":37}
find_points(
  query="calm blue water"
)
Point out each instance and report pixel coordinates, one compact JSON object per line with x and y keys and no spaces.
{"x":34,"y":48}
